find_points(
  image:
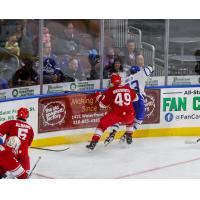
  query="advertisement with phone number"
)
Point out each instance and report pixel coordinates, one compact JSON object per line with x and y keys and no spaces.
{"x":79,"y":111}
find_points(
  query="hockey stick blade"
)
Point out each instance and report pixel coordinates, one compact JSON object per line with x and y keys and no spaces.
{"x":192,"y":141}
{"x":34,"y":166}
{"x":54,"y":150}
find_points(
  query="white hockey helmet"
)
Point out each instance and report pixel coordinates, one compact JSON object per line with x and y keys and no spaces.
{"x":13,"y":142}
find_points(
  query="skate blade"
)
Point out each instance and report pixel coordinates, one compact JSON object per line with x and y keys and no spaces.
{"x":107,"y":143}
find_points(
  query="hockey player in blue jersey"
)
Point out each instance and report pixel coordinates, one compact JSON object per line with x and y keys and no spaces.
{"x":136,"y":80}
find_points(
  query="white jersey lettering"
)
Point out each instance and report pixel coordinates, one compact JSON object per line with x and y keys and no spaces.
{"x":138,"y":80}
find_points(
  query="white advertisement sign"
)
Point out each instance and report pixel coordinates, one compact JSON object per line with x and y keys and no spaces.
{"x":20,"y":92}
{"x":183,"y":80}
{"x":180,"y":107}
{"x":8,"y":111}
{"x":71,"y":86}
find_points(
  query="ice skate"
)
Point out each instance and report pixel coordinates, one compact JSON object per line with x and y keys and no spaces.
{"x":126,"y":137}
{"x":91,"y":146}
{"x":129,"y":138}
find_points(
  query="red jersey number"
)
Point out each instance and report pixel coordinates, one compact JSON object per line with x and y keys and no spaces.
{"x":122,"y":99}
{"x":22,"y":133}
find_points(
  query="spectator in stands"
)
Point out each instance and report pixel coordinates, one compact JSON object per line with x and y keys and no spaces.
{"x":12,"y":45}
{"x":26,"y":75}
{"x":130,"y":55}
{"x":63,"y":62}
{"x":51,"y":72}
{"x":94,"y":60}
{"x":94,"y":72}
{"x":116,"y":67}
{"x":25,"y":42}
{"x":46,"y":36}
{"x":7,"y":28}
{"x":68,"y":43}
{"x":109,"y":58}
{"x":47,"y":53}
{"x":73,"y":74}
{"x":47,"y":48}
{"x":140,"y":61}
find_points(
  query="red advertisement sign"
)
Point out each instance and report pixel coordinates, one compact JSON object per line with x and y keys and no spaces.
{"x":152,"y":106}
{"x":69,"y":112}
{"x":82,"y":111}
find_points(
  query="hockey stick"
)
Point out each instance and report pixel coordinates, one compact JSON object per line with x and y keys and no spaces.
{"x":192,"y":141}
{"x":46,"y":149}
{"x":34,"y":166}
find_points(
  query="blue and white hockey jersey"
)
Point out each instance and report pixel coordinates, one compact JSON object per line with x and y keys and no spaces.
{"x":138,"y":80}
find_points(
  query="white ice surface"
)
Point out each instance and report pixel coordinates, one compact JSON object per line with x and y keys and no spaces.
{"x":165,"y":157}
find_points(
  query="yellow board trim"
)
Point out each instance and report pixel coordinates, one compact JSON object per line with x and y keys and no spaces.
{"x":71,"y":139}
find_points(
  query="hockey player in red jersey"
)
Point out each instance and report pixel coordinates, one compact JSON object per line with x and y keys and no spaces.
{"x":24,"y":131}
{"x":8,"y":159}
{"x":119,"y":98}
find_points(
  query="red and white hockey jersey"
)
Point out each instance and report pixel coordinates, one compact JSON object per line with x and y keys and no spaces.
{"x":25,"y":133}
{"x":9,"y":163}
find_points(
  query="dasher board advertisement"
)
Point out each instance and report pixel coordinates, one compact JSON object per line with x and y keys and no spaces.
{"x":19,"y":92}
{"x":79,"y":111}
{"x":152,"y":106}
{"x":180,"y":107}
{"x":8,"y":111}
{"x":69,"y":112}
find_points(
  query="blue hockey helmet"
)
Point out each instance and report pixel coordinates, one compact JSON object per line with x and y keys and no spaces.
{"x":134,"y":69}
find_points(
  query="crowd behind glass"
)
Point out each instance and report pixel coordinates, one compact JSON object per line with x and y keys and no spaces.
{"x":70,"y":52}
